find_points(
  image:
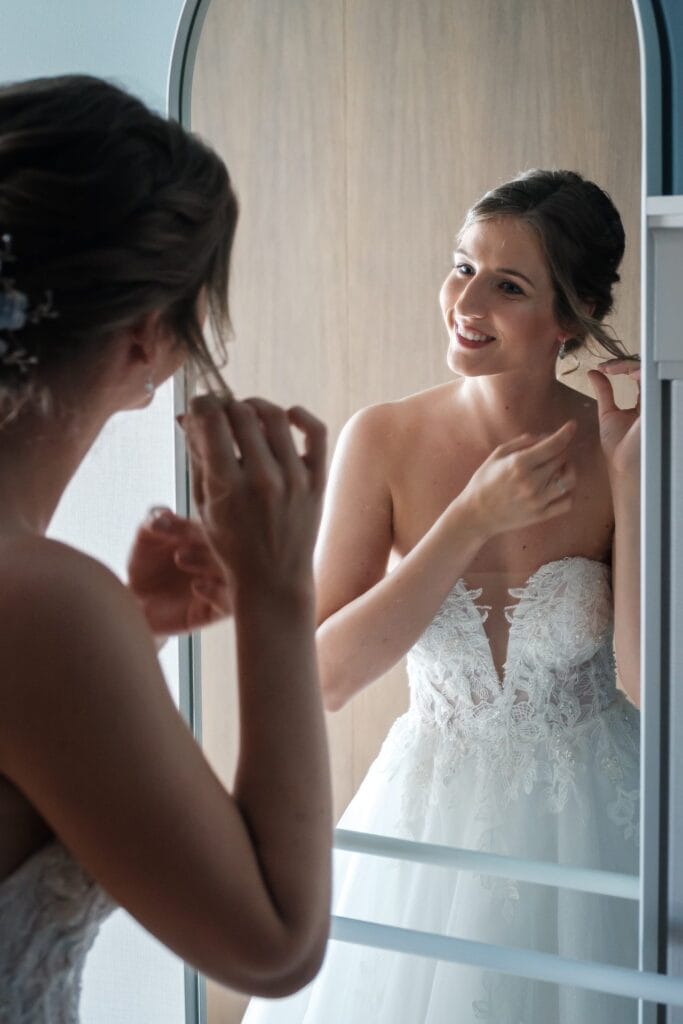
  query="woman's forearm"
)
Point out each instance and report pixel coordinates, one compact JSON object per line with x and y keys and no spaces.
{"x":626,"y":583}
{"x":368,"y":636}
{"x":282,"y":784}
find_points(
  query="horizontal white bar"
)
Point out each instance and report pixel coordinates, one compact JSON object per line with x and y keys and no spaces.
{"x":663,"y":205}
{"x":525,"y":963}
{"x":604,"y":883}
{"x":665,"y":220}
{"x":669,"y":369}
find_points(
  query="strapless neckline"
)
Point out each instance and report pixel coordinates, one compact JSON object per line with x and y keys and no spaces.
{"x":49,"y":850}
{"x":515,"y":612}
{"x":50,"y":912}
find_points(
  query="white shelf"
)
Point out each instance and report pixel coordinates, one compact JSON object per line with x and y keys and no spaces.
{"x":664,"y":211}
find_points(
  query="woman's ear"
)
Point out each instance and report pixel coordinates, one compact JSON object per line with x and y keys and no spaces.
{"x":147,"y":336}
{"x":149,"y":355}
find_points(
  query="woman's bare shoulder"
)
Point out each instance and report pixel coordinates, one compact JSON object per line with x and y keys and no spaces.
{"x":35,"y":565}
{"x":55,"y":597}
{"x":391,"y":422}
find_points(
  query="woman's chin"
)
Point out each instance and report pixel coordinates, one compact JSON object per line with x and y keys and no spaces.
{"x":459,"y":363}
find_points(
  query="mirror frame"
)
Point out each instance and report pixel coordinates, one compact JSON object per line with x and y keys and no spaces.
{"x":660,"y":34}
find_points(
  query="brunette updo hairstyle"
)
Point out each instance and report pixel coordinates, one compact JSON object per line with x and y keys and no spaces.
{"x":117,"y":212}
{"x":582,"y":237}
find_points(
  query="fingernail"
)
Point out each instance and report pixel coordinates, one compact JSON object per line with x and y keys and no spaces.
{"x":160,"y":518}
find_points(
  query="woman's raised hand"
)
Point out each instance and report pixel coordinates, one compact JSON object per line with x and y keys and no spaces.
{"x":175,"y":576}
{"x":619,"y":428}
{"x":259,"y":501}
{"x":525,"y":481}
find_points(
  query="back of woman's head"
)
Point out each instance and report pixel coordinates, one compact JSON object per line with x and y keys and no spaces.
{"x":110,"y":211}
{"x":582,"y":237}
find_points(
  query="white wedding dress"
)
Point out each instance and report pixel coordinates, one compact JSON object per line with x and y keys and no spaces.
{"x":544,"y":766}
{"x":50,"y":912}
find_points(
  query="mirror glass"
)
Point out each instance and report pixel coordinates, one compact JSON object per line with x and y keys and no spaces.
{"x":358,"y":135}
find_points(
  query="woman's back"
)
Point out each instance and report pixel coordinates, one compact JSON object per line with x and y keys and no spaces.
{"x":116,"y":229}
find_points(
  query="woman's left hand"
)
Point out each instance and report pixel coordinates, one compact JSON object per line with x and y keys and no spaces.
{"x":175,"y":576}
{"x":619,"y":428}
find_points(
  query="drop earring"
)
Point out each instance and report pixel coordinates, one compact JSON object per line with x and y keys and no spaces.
{"x":149,"y":385}
{"x":562,"y":354}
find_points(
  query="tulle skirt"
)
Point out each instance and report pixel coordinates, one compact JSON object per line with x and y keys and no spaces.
{"x":575,"y":806}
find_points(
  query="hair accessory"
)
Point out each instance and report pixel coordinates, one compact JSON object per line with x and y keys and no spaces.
{"x":15,"y":311}
{"x":13,"y":306}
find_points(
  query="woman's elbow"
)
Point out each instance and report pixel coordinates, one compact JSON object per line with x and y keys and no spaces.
{"x":333,"y":700}
{"x":302,"y":974}
{"x":332,"y":688}
{"x":291,"y":974}
{"x":628,"y":673}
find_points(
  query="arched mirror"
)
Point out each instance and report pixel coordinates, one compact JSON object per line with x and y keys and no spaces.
{"x":358,"y":135}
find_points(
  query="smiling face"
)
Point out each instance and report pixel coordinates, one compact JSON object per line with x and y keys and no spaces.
{"x":498,"y":302}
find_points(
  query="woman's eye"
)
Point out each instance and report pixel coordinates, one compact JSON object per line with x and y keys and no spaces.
{"x":511,"y":288}
{"x":464,"y":268}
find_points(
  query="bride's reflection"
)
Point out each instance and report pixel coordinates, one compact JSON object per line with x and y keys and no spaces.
{"x":503,"y":482}
{"x":371,"y":129}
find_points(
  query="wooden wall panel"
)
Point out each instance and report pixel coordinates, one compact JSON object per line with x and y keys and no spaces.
{"x":444,"y":100}
{"x":268,"y":95}
{"x":358,"y":132}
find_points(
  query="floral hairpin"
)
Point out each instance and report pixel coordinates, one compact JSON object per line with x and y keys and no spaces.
{"x":15,"y":311}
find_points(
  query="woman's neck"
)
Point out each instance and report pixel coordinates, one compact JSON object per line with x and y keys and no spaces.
{"x":506,"y":404}
{"x":39,"y":455}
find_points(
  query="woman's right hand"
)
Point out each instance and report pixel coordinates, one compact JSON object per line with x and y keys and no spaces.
{"x":258,"y":499}
{"x":524,"y":481}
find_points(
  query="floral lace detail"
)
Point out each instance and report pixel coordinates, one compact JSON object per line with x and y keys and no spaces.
{"x":554,"y":714}
{"x":503,"y":1000}
{"x":544,"y":767}
{"x":50,"y":912}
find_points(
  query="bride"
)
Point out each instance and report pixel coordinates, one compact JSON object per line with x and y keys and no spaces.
{"x":521,"y":738}
{"x":116,"y":230}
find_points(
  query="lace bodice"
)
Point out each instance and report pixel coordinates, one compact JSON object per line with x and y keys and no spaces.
{"x":559,"y":676}
{"x":50,"y":911}
{"x":559,"y":660}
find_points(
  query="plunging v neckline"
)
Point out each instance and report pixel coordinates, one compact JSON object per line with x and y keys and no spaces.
{"x":513,"y":609}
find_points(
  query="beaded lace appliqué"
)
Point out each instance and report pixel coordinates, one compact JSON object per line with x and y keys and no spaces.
{"x":50,"y":912}
{"x":554,"y":713}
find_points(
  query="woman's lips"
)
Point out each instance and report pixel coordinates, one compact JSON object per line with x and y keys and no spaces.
{"x":469,"y":343}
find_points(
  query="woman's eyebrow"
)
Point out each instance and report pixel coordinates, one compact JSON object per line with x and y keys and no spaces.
{"x":500,"y":270}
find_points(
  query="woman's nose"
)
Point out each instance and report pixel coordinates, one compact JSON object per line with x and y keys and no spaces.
{"x":471,"y":300}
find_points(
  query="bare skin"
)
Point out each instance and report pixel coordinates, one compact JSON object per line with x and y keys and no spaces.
{"x":461,"y":480}
{"x":430,"y":474}
{"x":92,"y":748}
